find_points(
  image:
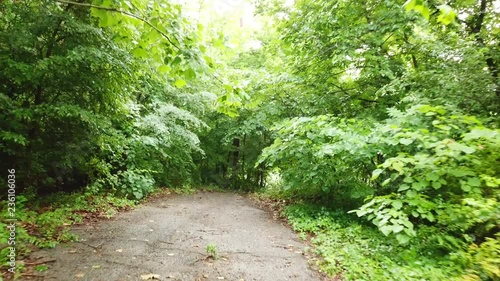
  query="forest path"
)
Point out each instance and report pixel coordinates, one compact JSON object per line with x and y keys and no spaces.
{"x":168,"y":237}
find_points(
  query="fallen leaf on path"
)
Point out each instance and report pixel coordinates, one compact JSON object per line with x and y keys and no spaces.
{"x":170,"y":254}
{"x":220,"y":278}
{"x":150,"y":276}
{"x":79,"y":275}
{"x":96,"y":266}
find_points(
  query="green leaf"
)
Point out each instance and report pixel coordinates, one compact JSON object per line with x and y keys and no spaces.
{"x":409,"y":5}
{"x":397,"y":228}
{"x":466,"y":188}
{"x":405,"y":141}
{"x":386,"y":229}
{"x":425,"y":12}
{"x":228,"y":87}
{"x":460,"y":172}
{"x":140,"y":52}
{"x":436,"y":185}
{"x":402,"y":238}
{"x":386,"y":182}
{"x":474,"y":182}
{"x":447,"y":14}
{"x":398,"y":166}
{"x":432,"y":176}
{"x":411,"y":193}
{"x":180,"y":83}
{"x":376,"y":173}
{"x":425,"y":108}
{"x":403,"y":187}
{"x":190,"y":74}
{"x":164,"y":69}
{"x":397,"y":204}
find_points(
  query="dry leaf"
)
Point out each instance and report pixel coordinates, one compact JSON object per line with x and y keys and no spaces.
{"x":119,"y":250}
{"x":96,"y":266}
{"x":150,"y":276}
{"x":79,"y":275}
{"x":170,"y":254}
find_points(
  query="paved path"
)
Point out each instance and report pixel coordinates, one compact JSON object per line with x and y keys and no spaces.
{"x":168,"y":237}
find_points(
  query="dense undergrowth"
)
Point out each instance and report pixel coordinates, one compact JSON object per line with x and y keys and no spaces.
{"x":354,"y":250}
{"x":44,"y":222}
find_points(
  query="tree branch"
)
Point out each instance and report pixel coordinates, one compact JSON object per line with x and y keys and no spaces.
{"x":123,"y":13}
{"x":477,"y":23}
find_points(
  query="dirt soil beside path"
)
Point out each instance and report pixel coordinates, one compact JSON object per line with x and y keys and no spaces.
{"x":167,"y":238}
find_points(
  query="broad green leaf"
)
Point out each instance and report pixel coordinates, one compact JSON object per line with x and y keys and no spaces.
{"x":403,"y":187}
{"x":190,"y":74}
{"x":397,"y":204}
{"x":402,"y":238}
{"x":405,"y":141}
{"x":376,"y":173}
{"x":179,"y":83}
{"x":410,"y":5}
{"x":164,"y":69}
{"x":474,"y":182}
{"x":432,"y":176}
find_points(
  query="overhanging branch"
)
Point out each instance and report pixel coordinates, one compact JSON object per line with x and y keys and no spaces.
{"x":115,"y":10}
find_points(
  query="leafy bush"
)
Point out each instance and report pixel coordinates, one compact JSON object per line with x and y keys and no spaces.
{"x":431,"y":176}
{"x":444,"y":174}
{"x":323,"y":157}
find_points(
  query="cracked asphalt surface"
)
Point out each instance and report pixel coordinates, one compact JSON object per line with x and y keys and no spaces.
{"x":166,"y":239}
